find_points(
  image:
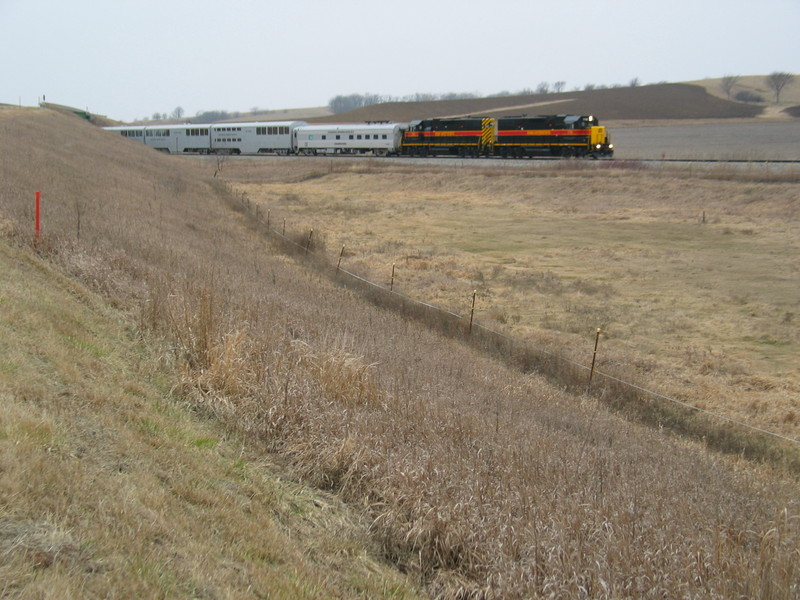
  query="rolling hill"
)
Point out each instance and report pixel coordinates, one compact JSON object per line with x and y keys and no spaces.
{"x":702,"y":99}
{"x":651,"y":102}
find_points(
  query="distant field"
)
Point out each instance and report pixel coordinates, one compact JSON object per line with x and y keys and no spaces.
{"x":663,"y":101}
{"x":708,"y":310}
{"x":742,"y":140}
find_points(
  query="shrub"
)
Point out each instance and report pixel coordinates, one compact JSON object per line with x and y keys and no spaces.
{"x":745,"y":96}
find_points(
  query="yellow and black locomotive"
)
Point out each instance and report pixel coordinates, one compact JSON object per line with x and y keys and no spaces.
{"x":508,"y":137}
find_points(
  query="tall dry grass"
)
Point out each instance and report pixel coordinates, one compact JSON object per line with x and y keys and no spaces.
{"x":689,"y":277}
{"x":110,"y":488}
{"x":479,"y":479}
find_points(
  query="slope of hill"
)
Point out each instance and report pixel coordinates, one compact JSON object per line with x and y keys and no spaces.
{"x":476,"y":479}
{"x":755,"y":84}
{"x":663,"y":101}
{"x":109,"y":486}
{"x":703,"y":99}
{"x":288,"y":114}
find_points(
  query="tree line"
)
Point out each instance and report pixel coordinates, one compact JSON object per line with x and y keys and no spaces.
{"x":344,"y":103}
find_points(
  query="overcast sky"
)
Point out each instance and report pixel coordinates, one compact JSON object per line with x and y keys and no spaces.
{"x":130,"y":58}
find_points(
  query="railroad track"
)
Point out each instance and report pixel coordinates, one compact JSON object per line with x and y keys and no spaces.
{"x":519,"y":162}
{"x":712,"y":160}
{"x":512,"y":162}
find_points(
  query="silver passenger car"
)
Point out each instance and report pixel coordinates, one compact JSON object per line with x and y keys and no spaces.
{"x":381,"y":139}
{"x":216,"y":138}
{"x":168,"y":138}
{"x":254,"y":138}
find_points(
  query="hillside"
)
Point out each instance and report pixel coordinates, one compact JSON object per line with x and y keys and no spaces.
{"x":109,"y":487}
{"x":756,"y":84}
{"x":702,"y":99}
{"x":474,"y":478}
{"x":672,"y":101}
{"x":651,"y":102}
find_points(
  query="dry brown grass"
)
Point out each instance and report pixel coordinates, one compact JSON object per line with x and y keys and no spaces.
{"x":690,"y":278}
{"x":477,"y":479}
{"x":111,"y":488}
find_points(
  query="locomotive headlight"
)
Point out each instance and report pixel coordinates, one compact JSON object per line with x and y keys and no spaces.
{"x":610,"y":146}
{"x":599,"y":146}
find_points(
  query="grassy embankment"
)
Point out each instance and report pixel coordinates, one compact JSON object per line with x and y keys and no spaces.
{"x":475,"y":478}
{"x":112,"y":486}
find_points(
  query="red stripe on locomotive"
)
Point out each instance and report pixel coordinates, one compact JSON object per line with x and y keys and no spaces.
{"x":509,"y":132}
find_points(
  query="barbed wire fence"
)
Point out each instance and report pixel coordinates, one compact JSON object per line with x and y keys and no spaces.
{"x":716,"y":430}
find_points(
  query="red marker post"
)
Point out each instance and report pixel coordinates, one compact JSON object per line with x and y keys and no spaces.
{"x":38,"y":213}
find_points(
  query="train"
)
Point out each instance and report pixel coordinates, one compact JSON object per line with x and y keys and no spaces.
{"x":506,"y":137}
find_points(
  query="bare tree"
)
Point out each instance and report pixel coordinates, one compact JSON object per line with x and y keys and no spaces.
{"x":777,"y":81}
{"x":728,"y":83}
{"x":342,"y":103}
{"x":635,"y":82}
{"x":559,"y":86}
{"x":543,"y":88}
{"x":177,"y":112}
